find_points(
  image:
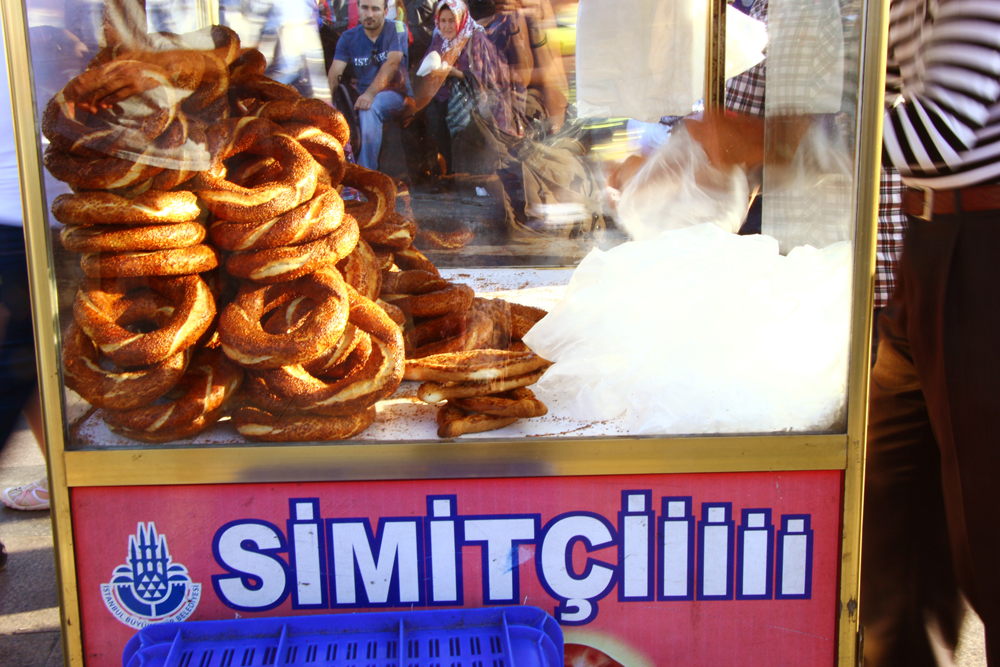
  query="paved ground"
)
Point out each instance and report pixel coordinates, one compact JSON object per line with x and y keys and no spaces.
{"x":29,"y":603}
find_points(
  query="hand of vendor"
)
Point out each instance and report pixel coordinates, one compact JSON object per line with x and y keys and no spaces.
{"x":104,"y":86}
{"x":728,"y":138}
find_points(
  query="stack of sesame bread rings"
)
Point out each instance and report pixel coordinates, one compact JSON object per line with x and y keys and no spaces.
{"x":224,"y":273}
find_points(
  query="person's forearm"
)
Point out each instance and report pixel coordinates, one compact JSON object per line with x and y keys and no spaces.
{"x":337,"y":69}
{"x":524,"y":62}
{"x":384,"y":76}
{"x":735,"y":139}
{"x":550,"y":77}
{"x":728,"y":138}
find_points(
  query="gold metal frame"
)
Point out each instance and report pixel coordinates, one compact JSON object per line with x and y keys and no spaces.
{"x":502,"y":458}
{"x":868,"y":154}
{"x":46,"y":319}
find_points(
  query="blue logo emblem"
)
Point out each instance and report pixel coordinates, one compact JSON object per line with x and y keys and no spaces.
{"x":150,"y":587}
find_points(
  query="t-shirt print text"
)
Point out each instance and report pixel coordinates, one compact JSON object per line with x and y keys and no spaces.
{"x":375,"y":59}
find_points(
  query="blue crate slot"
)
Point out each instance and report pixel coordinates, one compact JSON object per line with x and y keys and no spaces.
{"x":489,"y":637}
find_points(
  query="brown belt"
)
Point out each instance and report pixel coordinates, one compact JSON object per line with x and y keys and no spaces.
{"x":925,"y":203}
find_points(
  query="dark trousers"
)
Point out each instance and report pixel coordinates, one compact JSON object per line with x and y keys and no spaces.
{"x":932,"y":489}
{"x":437,"y":127}
{"x":17,"y":338}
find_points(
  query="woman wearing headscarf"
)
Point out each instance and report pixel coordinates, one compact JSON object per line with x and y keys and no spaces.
{"x":470,"y":88}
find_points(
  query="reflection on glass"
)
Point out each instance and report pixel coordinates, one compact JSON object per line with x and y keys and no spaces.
{"x":511,"y":136}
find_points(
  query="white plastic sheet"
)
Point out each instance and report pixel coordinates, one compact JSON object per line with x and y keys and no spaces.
{"x":700,"y":331}
{"x":678,"y":187}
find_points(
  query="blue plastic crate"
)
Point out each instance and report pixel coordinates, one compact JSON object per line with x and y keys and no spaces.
{"x":490,"y":637}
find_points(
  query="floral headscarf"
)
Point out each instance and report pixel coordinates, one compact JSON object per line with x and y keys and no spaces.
{"x":451,"y":49}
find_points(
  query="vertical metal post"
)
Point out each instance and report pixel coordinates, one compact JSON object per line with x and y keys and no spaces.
{"x":715,"y":56}
{"x":867,"y":166}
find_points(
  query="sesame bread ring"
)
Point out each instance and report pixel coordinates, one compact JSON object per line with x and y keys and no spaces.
{"x":455,"y":332}
{"x":361,"y":272}
{"x":168,"y":179}
{"x":378,"y":189}
{"x":213,"y":87}
{"x":351,"y":354}
{"x":436,"y":297}
{"x":103,"y":208}
{"x":184,"y":146}
{"x":230,"y":201}
{"x":484,"y":326}
{"x":227,"y":43}
{"x":275,"y":265}
{"x":324,"y":148}
{"x":383,"y":258}
{"x":184,"y":67}
{"x":260,"y":393}
{"x":476,"y":365}
{"x":296,"y":185}
{"x":136,"y":189}
{"x":518,"y":346}
{"x":176,"y":133}
{"x":352,"y":350}
{"x":210,"y":381}
{"x":173,"y":262}
{"x":522,"y":318}
{"x":291,"y":315}
{"x":264,"y":89}
{"x":253,"y":171}
{"x":309,"y":111}
{"x":394,"y":231}
{"x":427,"y":238}
{"x":376,"y":379}
{"x":116,"y":389}
{"x":107,"y":173}
{"x":520,"y":402}
{"x":242,"y":334}
{"x":150,"y":106}
{"x":257,"y":391}
{"x":99,"y":305}
{"x":307,"y":222}
{"x":249,"y":63}
{"x":395,"y":314}
{"x":453,"y":421}
{"x":435,"y":392}
{"x":412,"y":259}
{"x":498,"y":313}
{"x":411,"y":282}
{"x":116,"y":238}
{"x":292,"y":426}
{"x":71,"y":130}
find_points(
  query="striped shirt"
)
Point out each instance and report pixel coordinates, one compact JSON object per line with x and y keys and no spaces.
{"x":942,"y":123}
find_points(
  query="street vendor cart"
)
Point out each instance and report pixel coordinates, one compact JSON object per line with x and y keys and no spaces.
{"x":699,"y":505}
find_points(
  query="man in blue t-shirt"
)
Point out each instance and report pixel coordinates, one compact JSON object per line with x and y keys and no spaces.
{"x":376,"y":50}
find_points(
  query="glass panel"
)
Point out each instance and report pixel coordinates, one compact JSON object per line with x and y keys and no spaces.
{"x":532,"y":156}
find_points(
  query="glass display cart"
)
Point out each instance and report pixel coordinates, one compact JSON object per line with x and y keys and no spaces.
{"x":246,"y":341}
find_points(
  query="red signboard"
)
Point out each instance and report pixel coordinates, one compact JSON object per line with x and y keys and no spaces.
{"x":702,"y":570}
